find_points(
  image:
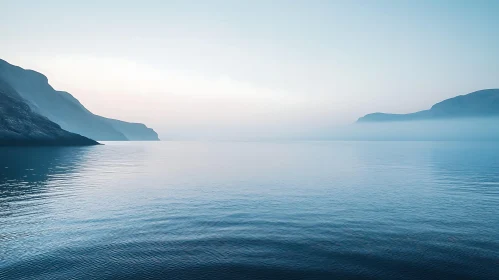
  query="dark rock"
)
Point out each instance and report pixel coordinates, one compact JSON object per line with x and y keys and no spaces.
{"x":20,"y":126}
{"x":65,"y":110}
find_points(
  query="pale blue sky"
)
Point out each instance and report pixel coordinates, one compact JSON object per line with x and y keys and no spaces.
{"x":209,"y":68}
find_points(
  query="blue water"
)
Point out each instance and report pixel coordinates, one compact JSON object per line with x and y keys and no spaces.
{"x":227,"y":210}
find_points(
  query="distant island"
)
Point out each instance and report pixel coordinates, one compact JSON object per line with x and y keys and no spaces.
{"x":478,"y":104}
{"x":32,"y":90}
{"x":470,"y":117}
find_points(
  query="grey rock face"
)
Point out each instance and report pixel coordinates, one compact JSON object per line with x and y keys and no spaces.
{"x":65,"y":110}
{"x":19,"y":125}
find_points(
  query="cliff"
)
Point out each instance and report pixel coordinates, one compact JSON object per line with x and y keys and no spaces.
{"x":20,"y":126}
{"x":62,"y":108}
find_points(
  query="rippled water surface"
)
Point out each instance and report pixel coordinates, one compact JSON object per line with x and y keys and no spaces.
{"x":222,"y":210}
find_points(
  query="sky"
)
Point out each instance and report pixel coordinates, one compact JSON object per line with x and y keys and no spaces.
{"x":254,"y":68}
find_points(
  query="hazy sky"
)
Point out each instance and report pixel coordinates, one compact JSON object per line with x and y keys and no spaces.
{"x":201,"y":69}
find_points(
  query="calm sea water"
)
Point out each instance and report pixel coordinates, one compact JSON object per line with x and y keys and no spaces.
{"x":224,"y":210}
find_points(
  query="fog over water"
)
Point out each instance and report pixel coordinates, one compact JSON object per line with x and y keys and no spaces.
{"x":436,"y":130}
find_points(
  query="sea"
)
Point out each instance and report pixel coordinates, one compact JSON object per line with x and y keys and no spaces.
{"x":251,"y":210}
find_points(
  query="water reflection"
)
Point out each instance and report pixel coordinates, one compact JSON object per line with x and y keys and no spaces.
{"x":26,"y":172}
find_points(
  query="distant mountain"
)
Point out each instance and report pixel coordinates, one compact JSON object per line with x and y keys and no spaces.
{"x":478,"y":104}
{"x":470,"y":117}
{"x":19,"y":125}
{"x":65,"y":110}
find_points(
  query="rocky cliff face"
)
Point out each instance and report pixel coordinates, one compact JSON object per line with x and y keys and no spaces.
{"x":19,"y":125}
{"x":65,"y":110}
{"x":478,"y":104}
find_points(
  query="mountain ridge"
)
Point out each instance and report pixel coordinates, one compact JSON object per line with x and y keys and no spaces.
{"x":67,"y":111}
{"x":21,"y":126}
{"x":477,"y":104}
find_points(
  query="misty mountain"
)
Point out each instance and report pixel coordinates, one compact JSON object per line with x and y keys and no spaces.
{"x":19,"y":125}
{"x":65,"y":110}
{"x":470,"y":117}
{"x":478,"y":104}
